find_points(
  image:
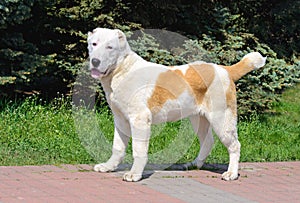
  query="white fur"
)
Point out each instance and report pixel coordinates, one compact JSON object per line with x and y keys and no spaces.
{"x":256,"y":58}
{"x":129,"y":81}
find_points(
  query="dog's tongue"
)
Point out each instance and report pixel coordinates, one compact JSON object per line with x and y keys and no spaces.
{"x":95,"y":73}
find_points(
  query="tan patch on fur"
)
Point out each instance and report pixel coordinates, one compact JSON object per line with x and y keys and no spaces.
{"x":169,"y":85}
{"x":199,"y":78}
{"x":239,"y":69}
{"x":231,"y":98}
{"x":172,"y":83}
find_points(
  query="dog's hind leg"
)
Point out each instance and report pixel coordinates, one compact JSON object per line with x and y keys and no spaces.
{"x":226,"y":129}
{"x":118,"y":152}
{"x":203,"y":129}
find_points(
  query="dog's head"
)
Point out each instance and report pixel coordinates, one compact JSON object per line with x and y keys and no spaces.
{"x":106,"y":49}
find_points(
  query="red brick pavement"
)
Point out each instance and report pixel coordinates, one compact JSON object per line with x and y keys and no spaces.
{"x":261,"y":182}
{"x":71,"y":184}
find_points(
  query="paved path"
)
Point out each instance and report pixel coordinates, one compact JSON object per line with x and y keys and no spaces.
{"x":258,"y":182}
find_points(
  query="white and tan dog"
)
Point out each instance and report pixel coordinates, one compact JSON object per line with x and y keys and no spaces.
{"x":141,"y":93}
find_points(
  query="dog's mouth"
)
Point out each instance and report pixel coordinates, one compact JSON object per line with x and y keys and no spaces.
{"x":95,"y":73}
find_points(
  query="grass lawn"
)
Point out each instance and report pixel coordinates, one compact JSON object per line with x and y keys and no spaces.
{"x":35,"y":133}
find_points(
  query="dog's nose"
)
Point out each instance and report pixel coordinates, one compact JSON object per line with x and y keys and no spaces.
{"x":96,"y":62}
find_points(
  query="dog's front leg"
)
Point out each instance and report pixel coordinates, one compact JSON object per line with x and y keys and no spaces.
{"x":141,"y":127}
{"x":118,"y":152}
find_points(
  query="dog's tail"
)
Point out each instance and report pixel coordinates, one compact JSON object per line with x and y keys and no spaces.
{"x":251,"y":61}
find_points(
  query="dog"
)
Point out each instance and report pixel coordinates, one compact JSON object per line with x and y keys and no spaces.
{"x":141,"y":93}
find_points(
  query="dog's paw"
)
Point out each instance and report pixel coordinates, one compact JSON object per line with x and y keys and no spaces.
{"x":102,"y":168}
{"x":197,"y":163}
{"x":132,"y":177}
{"x":229,"y":176}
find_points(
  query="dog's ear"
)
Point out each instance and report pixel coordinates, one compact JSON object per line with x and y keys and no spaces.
{"x":90,"y":48}
{"x":122,"y":38}
{"x":121,"y":34}
{"x":91,"y":33}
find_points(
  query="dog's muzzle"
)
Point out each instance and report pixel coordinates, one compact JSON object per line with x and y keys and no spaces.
{"x":95,"y":72}
{"x":95,"y":62}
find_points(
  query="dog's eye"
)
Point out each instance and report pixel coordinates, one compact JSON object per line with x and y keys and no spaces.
{"x":94,"y":44}
{"x":109,"y":47}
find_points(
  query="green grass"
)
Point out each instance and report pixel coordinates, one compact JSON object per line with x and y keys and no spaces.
{"x":32,"y":132}
{"x":35,"y":133}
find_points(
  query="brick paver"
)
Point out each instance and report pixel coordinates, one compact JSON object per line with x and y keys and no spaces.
{"x":71,"y":184}
{"x":260,"y":182}
{"x":181,"y":186}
